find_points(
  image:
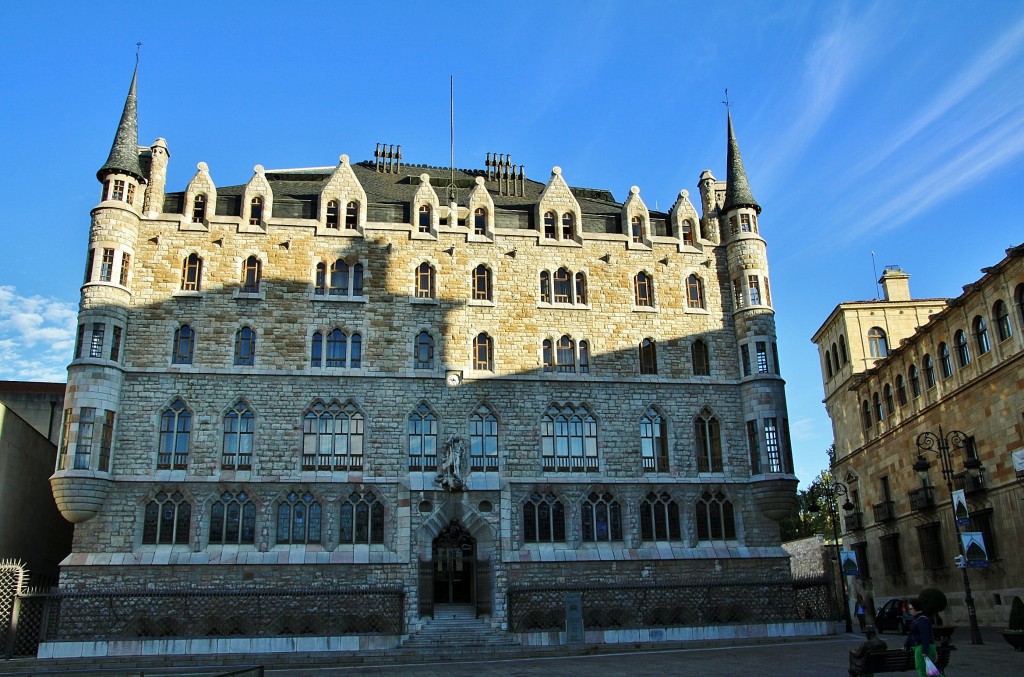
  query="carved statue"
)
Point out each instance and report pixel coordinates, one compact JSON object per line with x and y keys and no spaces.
{"x":452,"y":471}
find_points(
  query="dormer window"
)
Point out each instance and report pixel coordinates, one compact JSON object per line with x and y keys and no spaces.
{"x":424,"y":222}
{"x":199,"y":208}
{"x":568,"y":226}
{"x":480,"y":221}
{"x":687,"y":232}
{"x":352,"y":216}
{"x":256,"y":211}
{"x":549,"y":225}
{"x":636,"y":225}
{"x":332,"y":214}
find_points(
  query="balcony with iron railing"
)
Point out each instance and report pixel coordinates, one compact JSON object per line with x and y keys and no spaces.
{"x":854,"y":520}
{"x":884,"y":511}
{"x":922,"y":498}
{"x":971,"y":483}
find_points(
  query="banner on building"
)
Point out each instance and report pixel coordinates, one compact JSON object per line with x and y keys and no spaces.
{"x":1018,"y":460}
{"x":848,"y":563}
{"x":975,"y":552}
{"x":963,"y":517}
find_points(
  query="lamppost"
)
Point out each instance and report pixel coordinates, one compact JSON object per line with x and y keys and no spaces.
{"x":943,"y":446}
{"x":832,"y":490}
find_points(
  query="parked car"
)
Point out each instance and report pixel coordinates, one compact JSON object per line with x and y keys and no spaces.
{"x":894,"y":615}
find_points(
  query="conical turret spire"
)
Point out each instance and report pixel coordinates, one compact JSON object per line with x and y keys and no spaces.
{"x":124,"y":154}
{"x":737,"y":190}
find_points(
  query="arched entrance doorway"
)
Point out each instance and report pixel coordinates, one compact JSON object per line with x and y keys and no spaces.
{"x":454,"y":560}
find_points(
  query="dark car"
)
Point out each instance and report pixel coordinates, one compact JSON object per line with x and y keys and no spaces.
{"x":894,"y":615}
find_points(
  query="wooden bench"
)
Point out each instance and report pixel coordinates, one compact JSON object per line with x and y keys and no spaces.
{"x":897,"y":660}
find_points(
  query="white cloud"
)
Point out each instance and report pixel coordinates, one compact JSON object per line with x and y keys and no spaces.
{"x":37,"y":335}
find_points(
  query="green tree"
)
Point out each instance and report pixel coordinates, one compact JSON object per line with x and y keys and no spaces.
{"x":804,"y":521}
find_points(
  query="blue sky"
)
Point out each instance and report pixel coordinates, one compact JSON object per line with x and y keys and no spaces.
{"x":893,"y":127}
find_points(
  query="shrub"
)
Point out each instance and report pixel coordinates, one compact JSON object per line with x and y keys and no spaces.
{"x":1016,"y":615}
{"x":932,"y":601}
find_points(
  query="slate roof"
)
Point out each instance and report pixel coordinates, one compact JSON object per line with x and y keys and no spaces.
{"x":124,"y":153}
{"x":737,"y":190}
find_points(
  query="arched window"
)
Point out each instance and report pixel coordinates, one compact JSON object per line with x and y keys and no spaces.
{"x":694,"y":292}
{"x":636,"y":229}
{"x":584,"y":357}
{"x":963,"y":352}
{"x":357,"y":279}
{"x":563,"y":286}
{"x":191,"y":273}
{"x":352,"y":216}
{"x":239,"y":426}
{"x":944,"y":360}
{"x":425,"y":218}
{"x":687,"y":232}
{"x":168,"y":520}
{"x":865,"y":415}
{"x":332,"y":437}
{"x":1018,"y":296}
{"x":981,"y":335}
{"x":425,"y":281}
{"x":929,"y":371}
{"x":648,"y":357}
{"x":355,"y":351}
{"x":835,"y":358}
{"x":233,"y":519}
{"x":245,"y":347}
{"x":601,"y":518}
{"x":547,"y":358}
{"x":643,"y":287}
{"x":828,"y":364}
{"x":708,"y":437}
{"x":256,"y":211}
{"x":901,"y":390}
{"x":316,"y":352}
{"x":320,"y":285}
{"x":876,"y":405}
{"x":549,"y":225}
{"x":422,"y":439}
{"x":336,"y":342}
{"x":842,"y":349}
{"x":482,"y":283}
{"x":700,"y":358}
{"x":199,"y":208}
{"x":339,"y":278}
{"x":543,"y":520}
{"x":252,"y":271}
{"x":299,"y":519}
{"x":877,"y":345}
{"x":332,"y":220}
{"x":184,"y":345}
{"x":423,"y":355}
{"x":659,"y":518}
{"x":568,"y":226}
{"x":480,"y":221}
{"x":175,"y":437}
{"x":653,"y":441}
{"x":565,"y":355}
{"x":581,"y":289}
{"x":545,"y":287}
{"x":915,"y":381}
{"x":890,"y":405}
{"x":483,"y":439}
{"x":714,"y":518}
{"x":1003,"y":329}
{"x":362,"y":519}
{"x":568,"y":436}
{"x":483,"y":352}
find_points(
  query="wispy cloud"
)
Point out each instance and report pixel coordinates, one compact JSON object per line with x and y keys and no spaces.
{"x":37,"y":335}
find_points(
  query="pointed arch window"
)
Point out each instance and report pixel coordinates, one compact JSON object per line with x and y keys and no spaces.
{"x":549,"y":225}
{"x":233,"y":519}
{"x":336,"y":343}
{"x":700,"y":358}
{"x":547,"y":358}
{"x":191,"y":273}
{"x":299,"y":519}
{"x":945,"y":361}
{"x":687,"y":232}
{"x":339,"y":278}
{"x":184,"y":345}
{"x":480,"y":221}
{"x":199,"y":208}
{"x":245,"y":347}
{"x":708,"y":436}
{"x":877,"y":345}
{"x":563,"y":286}
{"x":252,"y":270}
{"x":1003,"y":330}
{"x":332,"y":437}
{"x":320,"y":285}
{"x":636,"y":229}
{"x":482,"y":283}
{"x":239,"y":427}
{"x":569,"y":439}
{"x":483,"y":352}
{"x":601,"y":518}
{"x":584,"y":357}
{"x":543,"y":519}
{"x":963,"y":351}
{"x":422,"y":439}
{"x":915,"y":381}
{"x":653,"y":441}
{"x":256,"y":211}
{"x":362,"y":519}
{"x":483,"y":439}
{"x":694,"y":292}
{"x":659,"y":518}
{"x":981,"y":335}
{"x":581,"y":289}
{"x":929,"y":371}
{"x":316,"y":352}
{"x":568,"y":226}
{"x":167,"y":520}
{"x":423,"y":354}
{"x":175,"y":437}
{"x":424,"y":219}
{"x":648,"y":357}
{"x":714,"y":518}
{"x":643,"y":288}
{"x":332,"y":217}
{"x":355,"y":351}
{"x":565,"y":355}
{"x":425,"y":281}
{"x":545,"y":287}
{"x":352,"y":216}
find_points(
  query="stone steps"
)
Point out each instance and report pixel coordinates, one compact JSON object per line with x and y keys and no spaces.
{"x":456,"y":631}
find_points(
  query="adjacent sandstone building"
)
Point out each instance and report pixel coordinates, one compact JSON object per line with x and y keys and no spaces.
{"x":460,"y":384}
{"x":895,"y":369}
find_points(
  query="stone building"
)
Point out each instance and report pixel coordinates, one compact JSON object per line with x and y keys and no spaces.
{"x":458,"y":382}
{"x":896,"y":368}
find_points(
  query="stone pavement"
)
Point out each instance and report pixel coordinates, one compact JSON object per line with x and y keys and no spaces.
{"x":813,"y":657}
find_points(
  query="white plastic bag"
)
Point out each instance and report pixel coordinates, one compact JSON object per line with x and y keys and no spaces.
{"x":930,"y":668}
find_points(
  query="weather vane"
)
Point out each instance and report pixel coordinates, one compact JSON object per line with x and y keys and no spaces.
{"x":728,"y":104}
{"x":138,"y":48}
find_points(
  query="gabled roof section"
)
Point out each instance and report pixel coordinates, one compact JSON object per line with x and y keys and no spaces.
{"x":737,"y":191}
{"x":124,"y":154}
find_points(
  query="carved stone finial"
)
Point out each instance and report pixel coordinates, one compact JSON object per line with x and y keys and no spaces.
{"x":556,"y":170}
{"x":634,"y":190}
{"x":202,"y":166}
{"x":258,"y":169}
{"x":343,"y":159}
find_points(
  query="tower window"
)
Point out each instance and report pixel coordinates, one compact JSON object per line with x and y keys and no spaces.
{"x":126,"y":263}
{"x":745,"y":226}
{"x":117,"y":193}
{"x":83,"y":447}
{"x":115,"y":344}
{"x":96,"y":340}
{"x":107,"y":265}
{"x":754,"y":285}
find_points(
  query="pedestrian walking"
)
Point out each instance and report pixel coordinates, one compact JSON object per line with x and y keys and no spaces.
{"x":859,"y":610}
{"x":919,"y":639}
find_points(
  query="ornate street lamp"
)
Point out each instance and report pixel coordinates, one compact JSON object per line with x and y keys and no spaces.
{"x":943,"y":446}
{"x":832,"y":491}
